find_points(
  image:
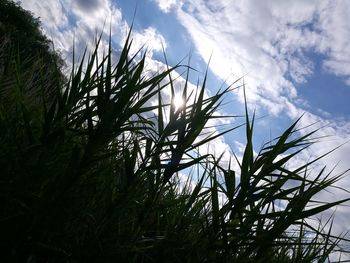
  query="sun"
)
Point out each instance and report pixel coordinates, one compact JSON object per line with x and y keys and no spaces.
{"x":178,"y":101}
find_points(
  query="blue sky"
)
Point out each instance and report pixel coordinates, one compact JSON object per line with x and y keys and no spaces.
{"x":295,"y":57}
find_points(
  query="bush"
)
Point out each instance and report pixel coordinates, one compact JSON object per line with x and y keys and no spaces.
{"x":22,"y":44}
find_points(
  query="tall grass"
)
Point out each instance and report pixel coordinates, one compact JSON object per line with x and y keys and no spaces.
{"x":91,"y":174}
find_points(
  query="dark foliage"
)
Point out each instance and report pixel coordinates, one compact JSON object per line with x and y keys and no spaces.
{"x":22,"y":44}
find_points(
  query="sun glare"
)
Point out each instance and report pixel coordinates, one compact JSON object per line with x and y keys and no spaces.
{"x":178,"y":101}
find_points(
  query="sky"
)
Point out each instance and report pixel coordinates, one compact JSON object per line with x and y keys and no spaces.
{"x":294,"y":57}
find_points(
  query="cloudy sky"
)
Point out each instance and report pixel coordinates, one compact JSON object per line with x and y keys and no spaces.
{"x":294,"y":56}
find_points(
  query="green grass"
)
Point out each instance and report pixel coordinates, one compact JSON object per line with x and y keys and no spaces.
{"x":91,"y":174}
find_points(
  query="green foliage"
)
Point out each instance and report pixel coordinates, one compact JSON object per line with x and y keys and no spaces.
{"x":91,"y":174}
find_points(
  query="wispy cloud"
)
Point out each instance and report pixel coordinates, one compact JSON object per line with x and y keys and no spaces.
{"x":78,"y":22}
{"x":166,"y":5}
{"x":270,"y":42}
{"x":150,"y":39}
{"x":67,"y":22}
{"x":335,"y":30}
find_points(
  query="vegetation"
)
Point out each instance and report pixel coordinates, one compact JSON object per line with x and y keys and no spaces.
{"x":22,"y":44}
{"x":91,"y":174}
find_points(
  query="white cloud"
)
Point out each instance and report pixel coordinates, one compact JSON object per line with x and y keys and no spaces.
{"x":335,"y":30}
{"x":268,"y":41}
{"x":51,"y":13}
{"x":67,"y":22}
{"x":150,"y":39}
{"x":166,"y":5}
